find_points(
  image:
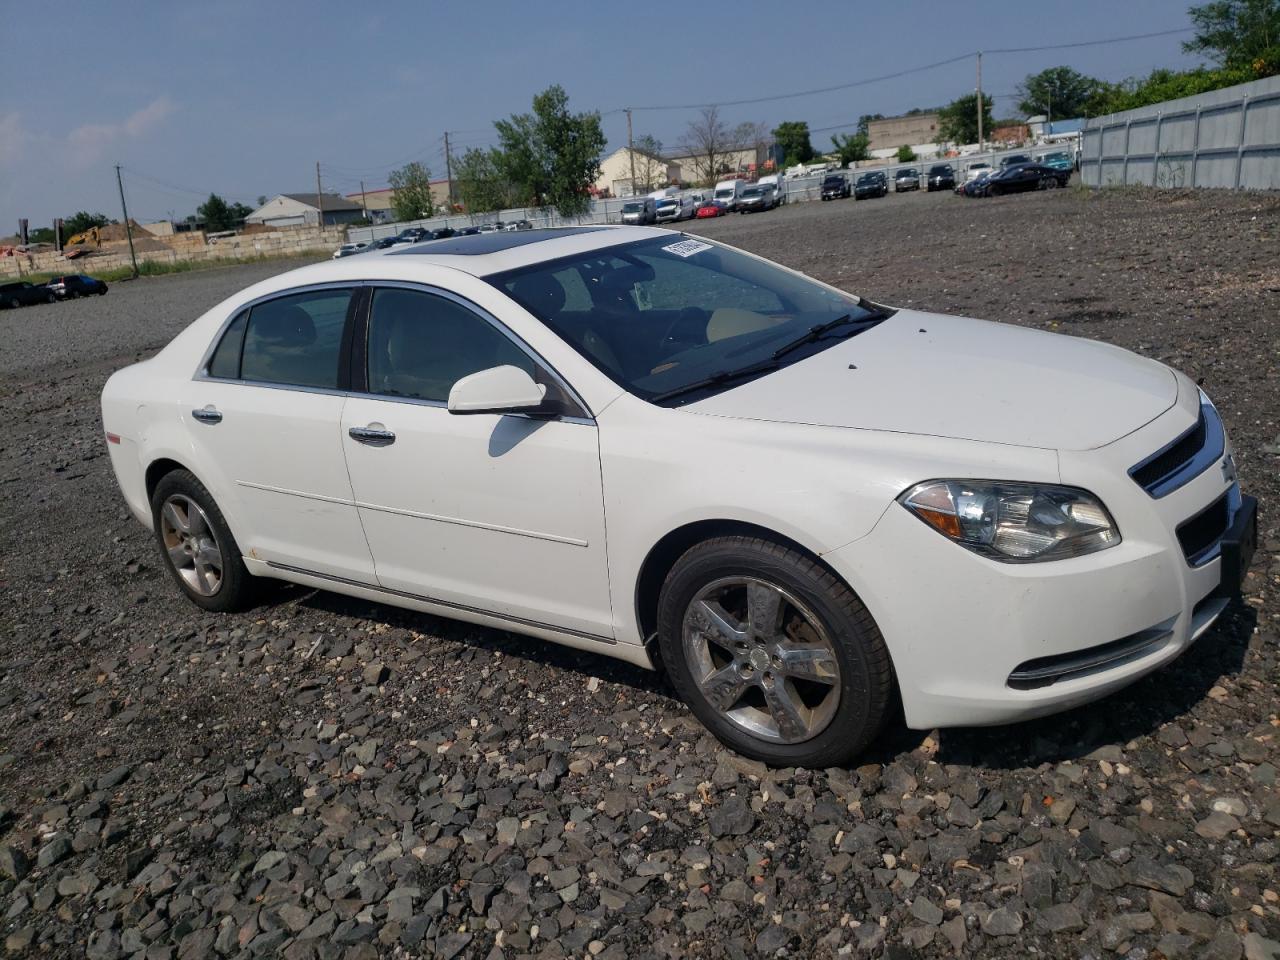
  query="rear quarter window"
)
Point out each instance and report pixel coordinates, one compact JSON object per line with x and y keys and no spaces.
{"x":296,"y":340}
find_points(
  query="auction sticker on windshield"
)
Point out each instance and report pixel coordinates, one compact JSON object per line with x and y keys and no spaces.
{"x":687,"y":248}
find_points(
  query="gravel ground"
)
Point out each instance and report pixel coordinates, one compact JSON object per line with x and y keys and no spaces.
{"x":329,"y":778}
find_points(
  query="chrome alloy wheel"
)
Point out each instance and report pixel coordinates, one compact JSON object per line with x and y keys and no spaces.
{"x":762,"y":659}
{"x":192,"y":546}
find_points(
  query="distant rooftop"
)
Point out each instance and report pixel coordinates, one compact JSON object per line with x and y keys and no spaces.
{"x":481,"y":243}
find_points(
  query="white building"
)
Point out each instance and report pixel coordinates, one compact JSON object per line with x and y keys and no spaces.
{"x":300,"y":209}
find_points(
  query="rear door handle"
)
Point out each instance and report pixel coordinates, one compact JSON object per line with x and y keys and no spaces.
{"x":207,"y":414}
{"x":373,"y":436}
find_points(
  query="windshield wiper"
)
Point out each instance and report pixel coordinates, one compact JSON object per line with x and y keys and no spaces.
{"x":717,"y":378}
{"x":816,"y":332}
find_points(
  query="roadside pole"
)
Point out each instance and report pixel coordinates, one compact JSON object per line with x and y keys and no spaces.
{"x":364,"y":202}
{"x":979,"y":101}
{"x":128,"y":230}
{"x":631,"y":152}
{"x":448,"y":171}
{"x":319,"y":198}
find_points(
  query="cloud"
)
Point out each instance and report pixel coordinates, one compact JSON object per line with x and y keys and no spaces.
{"x":91,"y":139}
{"x":13,"y":137}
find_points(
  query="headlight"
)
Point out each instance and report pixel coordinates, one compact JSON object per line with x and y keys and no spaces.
{"x":1014,"y":522}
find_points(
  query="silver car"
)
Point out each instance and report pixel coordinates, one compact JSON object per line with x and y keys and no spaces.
{"x":908,"y":179}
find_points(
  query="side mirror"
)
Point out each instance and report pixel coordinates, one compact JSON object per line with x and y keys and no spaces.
{"x":504,"y":389}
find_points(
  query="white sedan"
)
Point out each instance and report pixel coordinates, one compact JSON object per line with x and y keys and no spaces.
{"x":802,"y":504}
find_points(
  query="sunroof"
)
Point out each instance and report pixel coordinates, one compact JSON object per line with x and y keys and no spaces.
{"x":478,"y":243}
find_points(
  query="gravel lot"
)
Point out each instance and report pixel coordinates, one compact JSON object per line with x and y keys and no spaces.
{"x":329,"y":778}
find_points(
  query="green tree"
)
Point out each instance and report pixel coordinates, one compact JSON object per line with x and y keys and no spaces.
{"x":481,"y":187}
{"x":905,"y":154}
{"x":218,"y":215}
{"x":411,"y":199}
{"x":793,"y":137}
{"x":1057,"y":92}
{"x":1162,"y":85}
{"x":850,"y":146}
{"x":80,"y":221}
{"x":1238,"y":34}
{"x":551,"y":156}
{"x":40,"y":235}
{"x":864,"y":122}
{"x":958,"y":120}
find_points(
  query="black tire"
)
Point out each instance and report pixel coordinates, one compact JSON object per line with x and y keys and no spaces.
{"x":866,"y":683}
{"x":12,"y":303}
{"x":50,"y":298}
{"x":238,"y":589}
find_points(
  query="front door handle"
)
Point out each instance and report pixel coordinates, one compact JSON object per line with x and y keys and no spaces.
{"x":207,"y":414}
{"x":374,"y":436}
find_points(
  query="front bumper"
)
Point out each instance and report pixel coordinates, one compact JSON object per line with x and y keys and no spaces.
{"x":979,"y":642}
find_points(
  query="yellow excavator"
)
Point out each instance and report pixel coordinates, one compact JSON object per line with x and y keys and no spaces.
{"x":91,"y":236}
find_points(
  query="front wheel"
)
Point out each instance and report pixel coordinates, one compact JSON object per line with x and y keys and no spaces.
{"x":197,"y":547}
{"x":773,"y":653}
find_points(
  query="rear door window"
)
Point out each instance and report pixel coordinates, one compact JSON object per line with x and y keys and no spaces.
{"x":296,"y":340}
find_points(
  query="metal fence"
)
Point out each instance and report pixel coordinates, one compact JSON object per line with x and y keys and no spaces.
{"x":796,"y":190}
{"x":1226,"y":138}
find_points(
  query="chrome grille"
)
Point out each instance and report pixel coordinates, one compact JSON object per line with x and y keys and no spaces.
{"x":1185,"y":458}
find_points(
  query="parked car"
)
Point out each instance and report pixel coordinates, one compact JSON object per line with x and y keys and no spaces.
{"x":518,"y":225}
{"x":443,"y":233}
{"x":412,"y":235}
{"x":942,"y":176}
{"x":1026,"y":176}
{"x":908,"y":179}
{"x":493,"y":227}
{"x":382,"y":243}
{"x":779,"y":184}
{"x":1060,"y":161}
{"x":348,"y":249}
{"x":873,"y":184}
{"x":674,"y":209}
{"x":995,"y":556}
{"x":977,"y":187}
{"x":835,"y":186}
{"x":639,"y":212}
{"x":1014,"y":158}
{"x":24,"y":294}
{"x":76,"y":285}
{"x":711,"y":208}
{"x":756,"y":198}
{"x":975,"y":170}
{"x":468,"y":231}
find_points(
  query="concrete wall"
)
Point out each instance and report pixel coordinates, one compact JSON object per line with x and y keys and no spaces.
{"x":277,"y":243}
{"x":1224,"y":138}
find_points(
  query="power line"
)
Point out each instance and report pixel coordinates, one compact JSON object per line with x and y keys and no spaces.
{"x":903,"y":73}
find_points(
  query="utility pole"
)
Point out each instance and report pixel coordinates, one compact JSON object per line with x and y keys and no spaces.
{"x":979,"y":101}
{"x":631,"y":153}
{"x":448,"y":169}
{"x":364,"y":201}
{"x":319,"y":196}
{"x":127,"y":229}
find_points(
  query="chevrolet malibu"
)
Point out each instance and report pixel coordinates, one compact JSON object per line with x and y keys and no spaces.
{"x":804,"y":505}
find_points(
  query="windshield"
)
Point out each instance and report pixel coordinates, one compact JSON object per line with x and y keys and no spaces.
{"x":940,"y":169}
{"x":724,"y":192}
{"x":632,"y":207}
{"x":668,"y":203}
{"x":752,"y":192}
{"x":661,"y":315}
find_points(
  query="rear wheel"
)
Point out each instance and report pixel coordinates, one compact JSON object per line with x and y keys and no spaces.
{"x":773,"y":653}
{"x":12,"y":303}
{"x":197,"y":546}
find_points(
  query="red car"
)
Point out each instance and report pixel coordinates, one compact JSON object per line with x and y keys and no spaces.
{"x":712,"y":208}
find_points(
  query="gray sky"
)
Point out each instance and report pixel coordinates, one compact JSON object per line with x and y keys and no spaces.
{"x":243,"y":98}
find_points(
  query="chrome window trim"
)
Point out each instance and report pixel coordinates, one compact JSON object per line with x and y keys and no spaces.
{"x":1215,"y":442}
{"x":202,"y":371}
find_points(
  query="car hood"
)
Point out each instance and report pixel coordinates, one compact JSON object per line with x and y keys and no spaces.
{"x":945,"y":376}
